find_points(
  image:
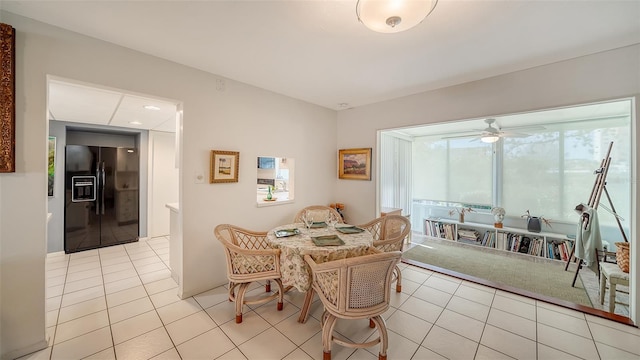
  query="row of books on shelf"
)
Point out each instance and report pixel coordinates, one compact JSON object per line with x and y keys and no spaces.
{"x":468,"y":235}
{"x":514,"y":242}
{"x":555,"y":249}
{"x":559,"y":250}
{"x":440,"y":230}
{"x":489,"y":239}
{"x":524,"y":244}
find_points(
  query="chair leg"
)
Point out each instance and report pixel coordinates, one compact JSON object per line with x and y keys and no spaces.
{"x":267,"y":287}
{"x":280,"y":293}
{"x":232,"y":294}
{"x":399,"y":277}
{"x":327,"y":336}
{"x":371,"y":324}
{"x":603,"y":287}
{"x":384,"y":336}
{"x":612,"y":296}
{"x":304,"y":313}
{"x":240,"y":301}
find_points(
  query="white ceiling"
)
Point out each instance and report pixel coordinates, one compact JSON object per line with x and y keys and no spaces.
{"x":74,"y":102}
{"x":317,"y":51}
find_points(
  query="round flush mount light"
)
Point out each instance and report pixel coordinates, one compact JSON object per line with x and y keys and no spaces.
{"x":151,"y":107}
{"x":135,"y":122}
{"x":391,"y":16}
{"x":490,"y":138}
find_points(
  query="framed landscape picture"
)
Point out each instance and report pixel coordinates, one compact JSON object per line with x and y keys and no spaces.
{"x":51,"y":168}
{"x":354,"y":164}
{"x":224,"y":166}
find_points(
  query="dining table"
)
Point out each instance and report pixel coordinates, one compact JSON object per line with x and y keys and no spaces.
{"x":323,"y":243}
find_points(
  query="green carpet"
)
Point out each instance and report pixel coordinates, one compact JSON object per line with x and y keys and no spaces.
{"x":540,"y":276}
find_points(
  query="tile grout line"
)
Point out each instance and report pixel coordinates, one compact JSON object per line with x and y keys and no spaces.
{"x":55,"y":330}
{"x":106,"y":304}
{"x":155,"y":309}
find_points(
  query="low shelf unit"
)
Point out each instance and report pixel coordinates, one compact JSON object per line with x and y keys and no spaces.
{"x":543,"y":244}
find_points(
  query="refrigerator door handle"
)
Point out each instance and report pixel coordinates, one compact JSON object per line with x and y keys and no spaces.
{"x":97,"y":186}
{"x":104,"y":181}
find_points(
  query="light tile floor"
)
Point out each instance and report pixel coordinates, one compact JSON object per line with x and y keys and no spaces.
{"x":120,"y":303}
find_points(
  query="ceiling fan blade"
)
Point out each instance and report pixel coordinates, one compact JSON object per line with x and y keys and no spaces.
{"x":513,"y":134}
{"x":524,"y":127}
{"x":494,"y":129}
{"x":461,"y":136}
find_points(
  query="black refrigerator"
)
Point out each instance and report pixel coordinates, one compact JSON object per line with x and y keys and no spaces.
{"x":101,"y":197}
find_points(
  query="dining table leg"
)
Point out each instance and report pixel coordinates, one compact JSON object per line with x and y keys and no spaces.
{"x":304,"y":313}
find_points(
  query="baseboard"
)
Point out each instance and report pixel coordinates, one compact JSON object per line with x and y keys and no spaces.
{"x":56,"y":253}
{"x":25,"y":350}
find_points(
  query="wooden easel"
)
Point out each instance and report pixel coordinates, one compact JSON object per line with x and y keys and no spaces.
{"x":599,"y":187}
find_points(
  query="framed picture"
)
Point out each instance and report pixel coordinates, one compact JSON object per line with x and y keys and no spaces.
{"x":7,"y":95}
{"x":224,"y":166}
{"x":51,"y":170}
{"x":354,"y":164}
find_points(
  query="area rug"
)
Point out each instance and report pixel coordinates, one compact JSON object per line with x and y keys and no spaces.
{"x":531,"y":274}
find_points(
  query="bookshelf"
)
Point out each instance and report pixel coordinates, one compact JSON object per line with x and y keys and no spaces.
{"x":543,"y":244}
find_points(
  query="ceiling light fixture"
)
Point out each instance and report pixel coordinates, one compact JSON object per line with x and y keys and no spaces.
{"x":392,"y":16}
{"x":151,"y":107}
{"x":490,"y":138}
{"x":135,"y":122}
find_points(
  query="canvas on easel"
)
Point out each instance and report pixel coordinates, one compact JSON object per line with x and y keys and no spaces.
{"x":588,"y":212}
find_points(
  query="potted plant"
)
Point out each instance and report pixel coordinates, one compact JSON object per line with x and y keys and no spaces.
{"x":461,"y":211}
{"x":534,"y":223}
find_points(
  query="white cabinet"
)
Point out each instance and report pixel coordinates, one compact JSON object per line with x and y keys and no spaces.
{"x":127,"y":159}
{"x":543,"y":244}
{"x":175,"y":245}
{"x":126,"y":206}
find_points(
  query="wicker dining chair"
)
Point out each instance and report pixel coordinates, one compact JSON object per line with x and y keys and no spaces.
{"x":249,"y":259}
{"x":354,"y":288}
{"x":389,"y":234}
{"x":319,"y":213}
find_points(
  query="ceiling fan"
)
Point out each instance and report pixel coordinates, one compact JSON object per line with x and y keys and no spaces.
{"x":492,"y":134}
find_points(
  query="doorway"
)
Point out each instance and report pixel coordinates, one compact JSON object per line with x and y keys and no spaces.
{"x":539,"y":163}
{"x":92,"y":108}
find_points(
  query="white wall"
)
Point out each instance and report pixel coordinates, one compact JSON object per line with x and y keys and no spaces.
{"x":607,"y":75}
{"x":241,"y":118}
{"x":55,"y":203}
{"x":163,"y":182}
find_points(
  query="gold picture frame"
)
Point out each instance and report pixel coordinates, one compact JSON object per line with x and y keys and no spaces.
{"x":7,"y":99}
{"x":354,"y":164}
{"x":224,"y":166}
